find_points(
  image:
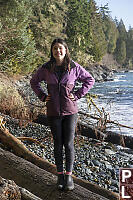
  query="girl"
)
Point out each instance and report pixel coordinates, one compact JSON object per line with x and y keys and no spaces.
{"x":60,"y":74}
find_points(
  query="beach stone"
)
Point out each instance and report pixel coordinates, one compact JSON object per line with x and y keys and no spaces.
{"x":110,"y":152}
{"x":96,"y":162}
{"x":112,"y":188}
{"x":114,"y":182}
{"x":102,"y":174}
{"x":88,"y":171}
{"x":130,"y":166}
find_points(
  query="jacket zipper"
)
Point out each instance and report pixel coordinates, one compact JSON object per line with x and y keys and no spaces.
{"x":59,"y":87}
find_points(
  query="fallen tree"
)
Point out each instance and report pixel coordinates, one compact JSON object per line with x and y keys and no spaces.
{"x":108,"y":136}
{"x":18,"y":148}
{"x":38,"y":181}
{"x":90,"y":131}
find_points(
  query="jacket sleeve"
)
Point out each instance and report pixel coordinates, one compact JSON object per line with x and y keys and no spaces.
{"x":35,"y":81}
{"x":87,"y":82}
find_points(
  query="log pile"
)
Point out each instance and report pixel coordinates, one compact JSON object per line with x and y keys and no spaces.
{"x":38,"y":181}
{"x":10,"y":165}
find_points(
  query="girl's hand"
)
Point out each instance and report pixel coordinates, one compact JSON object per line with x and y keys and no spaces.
{"x":71,"y":96}
{"x":48,"y":98}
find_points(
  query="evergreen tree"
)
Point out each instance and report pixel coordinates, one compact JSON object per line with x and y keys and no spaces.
{"x":129,"y":47}
{"x":116,"y":21}
{"x":99,"y":45}
{"x":84,"y":30}
{"x":27,"y":28}
{"x":47,"y":23}
{"x":17,"y":46}
{"x":109,"y":28}
{"x":122,"y":30}
{"x":78,"y":25}
{"x":111,"y":33}
{"x":120,"y":52}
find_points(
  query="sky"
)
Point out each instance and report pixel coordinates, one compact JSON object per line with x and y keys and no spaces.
{"x":121,"y":9}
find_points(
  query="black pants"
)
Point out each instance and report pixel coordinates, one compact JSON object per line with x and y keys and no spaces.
{"x":63,"y":131}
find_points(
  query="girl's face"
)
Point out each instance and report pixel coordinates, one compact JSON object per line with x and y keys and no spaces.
{"x":59,"y":51}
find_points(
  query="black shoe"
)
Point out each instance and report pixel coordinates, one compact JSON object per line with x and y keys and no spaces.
{"x":60,"y":182}
{"x":69,"y":184}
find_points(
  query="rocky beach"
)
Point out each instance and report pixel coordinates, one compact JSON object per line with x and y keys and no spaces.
{"x":95,"y":161}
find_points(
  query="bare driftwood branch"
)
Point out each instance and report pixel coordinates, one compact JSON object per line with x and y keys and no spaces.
{"x":31,"y":140}
{"x":107,"y":121}
{"x":108,"y":136}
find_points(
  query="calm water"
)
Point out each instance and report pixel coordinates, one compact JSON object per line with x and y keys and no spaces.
{"x":117,"y":99}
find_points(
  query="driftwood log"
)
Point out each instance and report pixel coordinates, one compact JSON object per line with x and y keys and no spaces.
{"x":114,"y":138}
{"x":89,"y":131}
{"x":18,"y":148}
{"x":38,"y":181}
{"x":26,"y":195}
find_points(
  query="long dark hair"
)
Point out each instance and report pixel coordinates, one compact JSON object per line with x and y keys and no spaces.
{"x":66,"y":62}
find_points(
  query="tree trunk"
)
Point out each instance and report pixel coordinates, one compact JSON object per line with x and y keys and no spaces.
{"x":20,"y":150}
{"x":38,"y":181}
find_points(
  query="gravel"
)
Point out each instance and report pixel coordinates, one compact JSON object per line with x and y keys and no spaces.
{"x":95,"y":161}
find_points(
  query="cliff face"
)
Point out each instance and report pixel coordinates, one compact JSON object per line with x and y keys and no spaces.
{"x":109,"y":60}
{"x":105,"y":70}
{"x":100,"y":72}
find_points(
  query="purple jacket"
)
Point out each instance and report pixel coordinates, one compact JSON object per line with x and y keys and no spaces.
{"x":60,"y":103}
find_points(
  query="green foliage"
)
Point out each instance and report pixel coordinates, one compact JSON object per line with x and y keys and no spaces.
{"x":111,"y":34}
{"x":99,"y":46}
{"x":17,"y":46}
{"x":78,"y":26}
{"x":84,"y":31}
{"x":122,"y":30}
{"x":47,"y":23}
{"x":109,"y":28}
{"x":120,"y":51}
{"x":27,"y":28}
{"x":129,"y":47}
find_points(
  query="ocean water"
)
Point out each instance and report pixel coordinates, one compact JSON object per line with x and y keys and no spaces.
{"x":116,"y":97}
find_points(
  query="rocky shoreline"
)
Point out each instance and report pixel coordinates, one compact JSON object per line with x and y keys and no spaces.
{"x":101,"y":72}
{"x":95,"y":161}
